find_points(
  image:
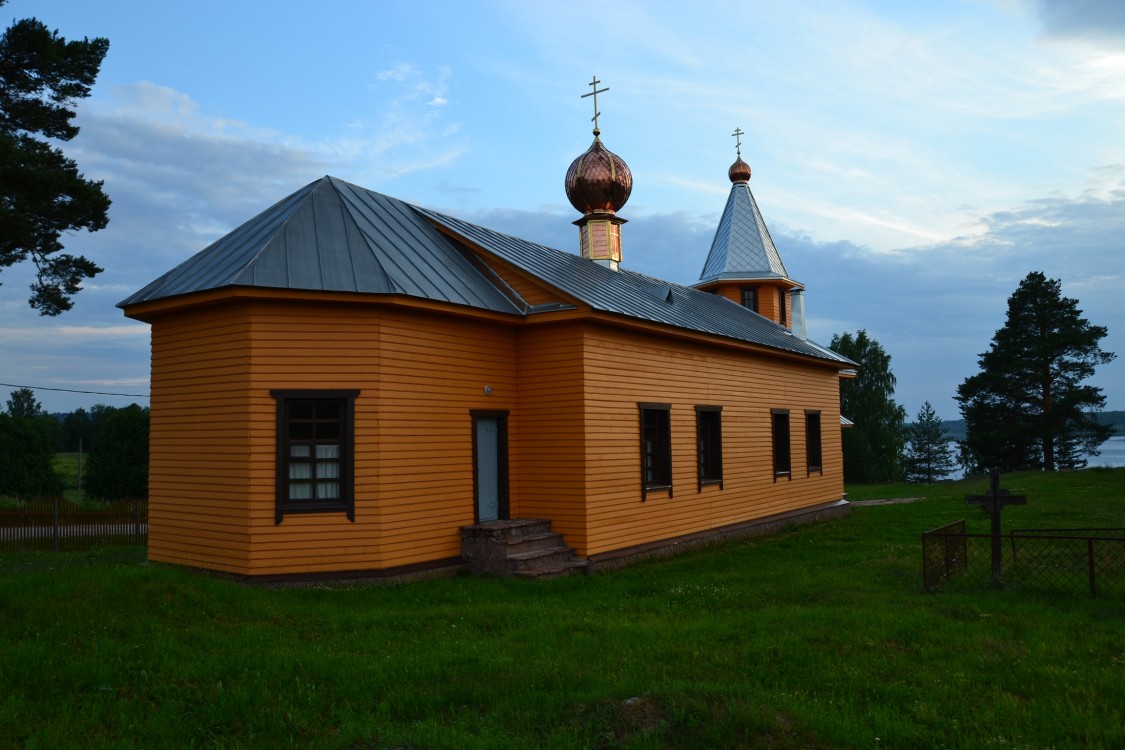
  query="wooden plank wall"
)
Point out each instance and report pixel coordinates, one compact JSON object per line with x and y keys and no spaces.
{"x":768,"y":306}
{"x":624,"y":368}
{"x":435,"y":370}
{"x":552,"y":444}
{"x":571,"y":389}
{"x":419,"y":375}
{"x":198,"y":475}
{"x":300,"y":345}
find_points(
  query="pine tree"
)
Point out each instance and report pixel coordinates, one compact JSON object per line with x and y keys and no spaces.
{"x":1027,"y":407}
{"x":927,"y":453}
{"x":42,"y":194}
{"x":873,"y":446}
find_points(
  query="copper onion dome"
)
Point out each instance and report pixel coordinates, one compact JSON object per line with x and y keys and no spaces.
{"x":598,"y":181}
{"x":739,"y":171}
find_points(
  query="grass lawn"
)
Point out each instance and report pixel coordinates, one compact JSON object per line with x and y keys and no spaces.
{"x":820,"y":637}
{"x":68,"y":466}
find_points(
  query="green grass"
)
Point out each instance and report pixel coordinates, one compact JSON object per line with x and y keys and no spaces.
{"x":66,"y":466}
{"x":819,"y":637}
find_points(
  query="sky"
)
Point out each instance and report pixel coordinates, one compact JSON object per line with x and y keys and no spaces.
{"x":913,"y":161}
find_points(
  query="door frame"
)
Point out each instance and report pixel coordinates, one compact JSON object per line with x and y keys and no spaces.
{"x":503,"y":510}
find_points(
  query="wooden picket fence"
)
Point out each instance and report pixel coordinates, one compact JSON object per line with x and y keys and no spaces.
{"x":55,"y":524}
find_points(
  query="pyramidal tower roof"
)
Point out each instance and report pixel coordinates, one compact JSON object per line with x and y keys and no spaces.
{"x":742,"y":248}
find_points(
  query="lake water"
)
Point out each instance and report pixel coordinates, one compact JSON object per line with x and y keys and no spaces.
{"x":1112,"y":454}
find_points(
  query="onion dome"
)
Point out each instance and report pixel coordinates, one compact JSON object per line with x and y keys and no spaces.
{"x":598,"y":181}
{"x":739,"y":171}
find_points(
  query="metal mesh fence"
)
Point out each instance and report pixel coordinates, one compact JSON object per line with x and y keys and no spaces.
{"x":1075,"y":561}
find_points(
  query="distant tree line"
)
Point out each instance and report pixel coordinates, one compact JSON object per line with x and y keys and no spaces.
{"x":113,"y":442}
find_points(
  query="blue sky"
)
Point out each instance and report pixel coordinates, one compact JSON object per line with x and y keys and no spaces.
{"x":913,"y":161}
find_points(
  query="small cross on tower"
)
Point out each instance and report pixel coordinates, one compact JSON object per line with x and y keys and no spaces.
{"x":594,"y":83}
{"x":738,"y":133}
{"x":993,"y":503}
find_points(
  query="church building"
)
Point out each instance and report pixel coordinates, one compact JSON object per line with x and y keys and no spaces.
{"x":351,"y":385}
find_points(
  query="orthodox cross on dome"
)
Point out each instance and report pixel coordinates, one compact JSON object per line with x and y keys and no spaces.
{"x":594,"y":83}
{"x":738,"y":133}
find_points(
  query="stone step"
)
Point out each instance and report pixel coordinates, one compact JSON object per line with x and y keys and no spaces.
{"x":503,"y":530}
{"x":533,"y":542}
{"x":524,"y":547}
{"x":570,"y":567}
{"x":543,"y":558}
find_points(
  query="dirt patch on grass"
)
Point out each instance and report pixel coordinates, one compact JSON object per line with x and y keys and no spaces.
{"x":888,"y":501}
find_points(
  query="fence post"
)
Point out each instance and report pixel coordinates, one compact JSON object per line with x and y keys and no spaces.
{"x":1093,"y":568}
{"x":55,"y":527}
{"x":136,"y":522}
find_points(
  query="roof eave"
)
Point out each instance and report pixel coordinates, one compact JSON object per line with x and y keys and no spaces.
{"x":149,"y":310}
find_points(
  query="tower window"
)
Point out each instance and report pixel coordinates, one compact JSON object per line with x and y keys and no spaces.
{"x":781,"y":311}
{"x":750,"y":298}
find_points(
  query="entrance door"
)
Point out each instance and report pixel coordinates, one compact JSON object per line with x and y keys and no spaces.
{"x":490,"y":465}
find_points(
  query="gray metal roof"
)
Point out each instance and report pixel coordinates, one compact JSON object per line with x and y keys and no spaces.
{"x":334,"y":236}
{"x":635,"y":295}
{"x":742,"y":248}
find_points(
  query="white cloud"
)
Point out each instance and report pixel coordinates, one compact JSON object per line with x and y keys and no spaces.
{"x":399,"y":72}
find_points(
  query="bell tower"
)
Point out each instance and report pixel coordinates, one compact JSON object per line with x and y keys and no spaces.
{"x":743,"y":264}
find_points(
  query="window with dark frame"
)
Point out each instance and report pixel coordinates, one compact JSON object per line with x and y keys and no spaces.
{"x":782,"y":460}
{"x":813,"y":457}
{"x":656,"y":448}
{"x":782,"y":312}
{"x":750,"y":298}
{"x":314,"y":452}
{"x":709,"y":441}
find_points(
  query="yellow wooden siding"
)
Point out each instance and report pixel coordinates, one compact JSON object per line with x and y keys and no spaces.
{"x":419,"y":375}
{"x":571,"y":389}
{"x":622,"y":370}
{"x":198,"y":481}
{"x":768,"y":300}
{"x":733,"y":292}
{"x":435,"y":372}
{"x":533,"y":291}
{"x":552,"y":446}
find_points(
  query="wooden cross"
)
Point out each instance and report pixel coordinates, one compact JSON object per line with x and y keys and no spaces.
{"x":738,"y":140}
{"x":993,"y":503}
{"x":594,"y":83}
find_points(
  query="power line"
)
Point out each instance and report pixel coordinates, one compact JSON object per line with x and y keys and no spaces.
{"x":71,"y":390}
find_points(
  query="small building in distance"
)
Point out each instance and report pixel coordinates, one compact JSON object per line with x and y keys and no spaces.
{"x":348,"y":384}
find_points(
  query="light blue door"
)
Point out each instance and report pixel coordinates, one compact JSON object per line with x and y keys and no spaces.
{"x":488,"y":468}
